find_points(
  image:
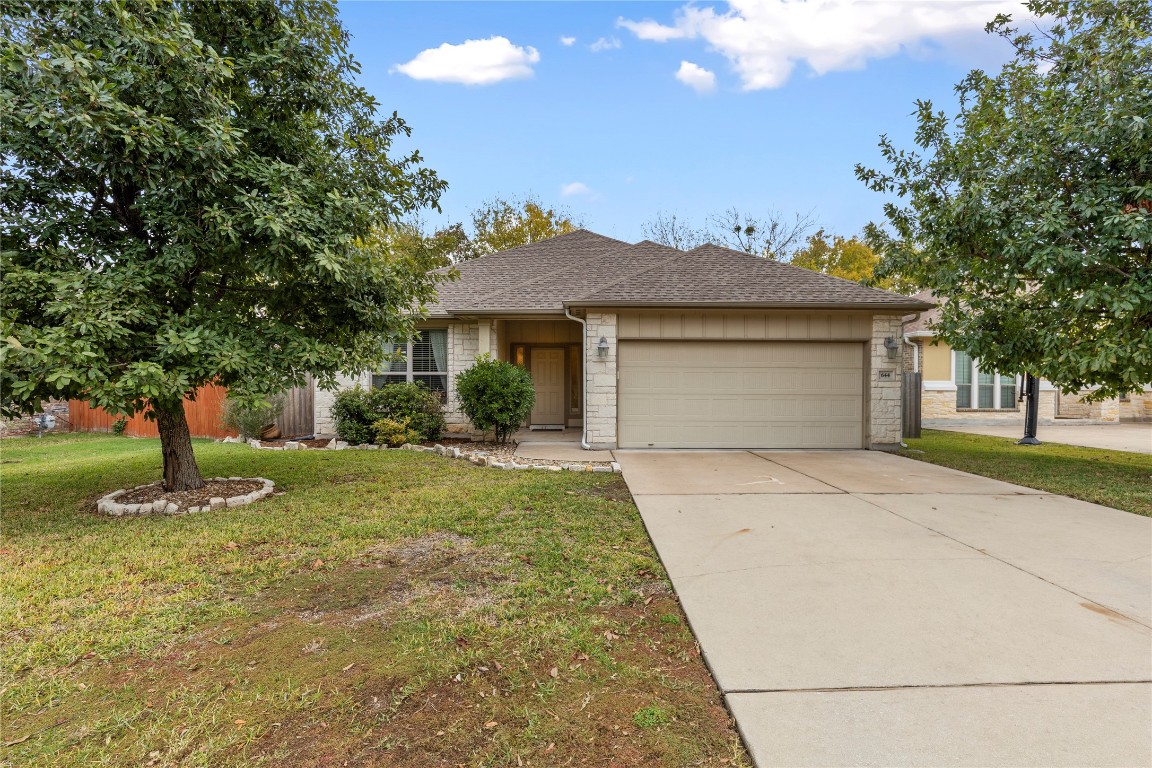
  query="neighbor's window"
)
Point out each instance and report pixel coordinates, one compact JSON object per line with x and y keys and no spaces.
{"x":423,"y":360}
{"x":979,"y":389}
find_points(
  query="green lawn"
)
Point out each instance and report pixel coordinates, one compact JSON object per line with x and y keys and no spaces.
{"x":390,"y":608}
{"x":1112,"y":478}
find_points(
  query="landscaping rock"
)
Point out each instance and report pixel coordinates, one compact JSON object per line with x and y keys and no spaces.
{"x":236,"y":501}
{"x":159,"y":505}
{"x":216,"y":503}
{"x":291,"y":445}
{"x":171,"y":509}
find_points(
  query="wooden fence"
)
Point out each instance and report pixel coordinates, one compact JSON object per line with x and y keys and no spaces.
{"x":203,"y":415}
{"x":911,"y":398}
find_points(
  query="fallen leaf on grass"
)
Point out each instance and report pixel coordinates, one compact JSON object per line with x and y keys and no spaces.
{"x":551,"y":748}
{"x":491,"y":724}
{"x":554,"y":672}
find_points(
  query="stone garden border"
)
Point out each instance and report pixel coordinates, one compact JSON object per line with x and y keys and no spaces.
{"x":109,"y":506}
{"x":479,"y":458}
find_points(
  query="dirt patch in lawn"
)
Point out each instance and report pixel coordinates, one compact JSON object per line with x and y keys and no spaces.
{"x":411,"y":656}
{"x":222,"y":489}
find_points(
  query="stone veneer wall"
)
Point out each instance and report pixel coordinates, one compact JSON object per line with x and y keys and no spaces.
{"x":884,"y":409}
{"x":463,"y":348}
{"x":600,"y":410}
{"x":1138,"y":407}
{"x":323,"y":423}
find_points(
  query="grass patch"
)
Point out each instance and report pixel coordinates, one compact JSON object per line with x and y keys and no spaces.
{"x":652,"y":717}
{"x":389,"y":608}
{"x":1113,"y":478}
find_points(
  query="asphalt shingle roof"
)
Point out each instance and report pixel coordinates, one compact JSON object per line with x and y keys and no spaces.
{"x":583,"y":268}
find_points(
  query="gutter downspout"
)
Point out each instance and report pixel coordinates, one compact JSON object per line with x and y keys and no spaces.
{"x":584,"y":368}
{"x":915,"y":365}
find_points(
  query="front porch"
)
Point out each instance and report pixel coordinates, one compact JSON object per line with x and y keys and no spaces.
{"x":550,"y":349}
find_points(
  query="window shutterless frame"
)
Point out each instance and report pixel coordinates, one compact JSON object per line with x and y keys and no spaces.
{"x":981,"y":390}
{"x":424,"y":360}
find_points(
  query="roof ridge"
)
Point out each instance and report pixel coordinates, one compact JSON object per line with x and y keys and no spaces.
{"x":791,"y":266}
{"x":606,"y":250}
{"x":677,"y":253}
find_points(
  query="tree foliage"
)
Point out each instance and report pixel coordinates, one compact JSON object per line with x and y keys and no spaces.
{"x":500,"y":224}
{"x":189,"y":196}
{"x":770,"y":234}
{"x":675,"y":232}
{"x":850,"y":258}
{"x":1030,"y":211}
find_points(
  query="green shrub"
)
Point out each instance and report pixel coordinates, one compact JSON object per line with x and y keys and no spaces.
{"x":248,"y":418}
{"x":120,"y":425}
{"x":413,"y":402}
{"x":357,"y":410}
{"x":396,"y":432}
{"x":495,"y":395}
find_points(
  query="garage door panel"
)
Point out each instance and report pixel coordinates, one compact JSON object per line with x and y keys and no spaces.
{"x":746,"y":394}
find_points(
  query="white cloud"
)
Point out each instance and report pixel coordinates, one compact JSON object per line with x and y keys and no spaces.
{"x":696,"y":77}
{"x":605,"y":44}
{"x":566,"y":40}
{"x":473,"y":62}
{"x":575,"y":188}
{"x":765,"y":39}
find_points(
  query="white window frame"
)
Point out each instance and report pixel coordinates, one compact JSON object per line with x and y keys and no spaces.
{"x":974,"y":388}
{"x":409,"y":374}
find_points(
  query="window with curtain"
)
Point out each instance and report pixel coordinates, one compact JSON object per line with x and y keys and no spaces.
{"x":981,"y":389}
{"x":424,"y":360}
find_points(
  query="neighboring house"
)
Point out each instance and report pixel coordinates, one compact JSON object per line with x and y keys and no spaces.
{"x":957,"y":390}
{"x":638,"y":346}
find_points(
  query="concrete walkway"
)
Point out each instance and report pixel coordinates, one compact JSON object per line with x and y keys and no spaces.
{"x":1125,"y":436}
{"x":862,"y":609}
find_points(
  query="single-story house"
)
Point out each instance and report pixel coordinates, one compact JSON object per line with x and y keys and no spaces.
{"x":646,"y":346}
{"x":955,"y":389}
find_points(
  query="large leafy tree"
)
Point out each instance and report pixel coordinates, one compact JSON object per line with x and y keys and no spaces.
{"x":189,"y":196}
{"x":1030,"y":211}
{"x":848,"y":257}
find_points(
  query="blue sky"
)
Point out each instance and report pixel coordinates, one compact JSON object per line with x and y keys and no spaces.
{"x":775,"y":104}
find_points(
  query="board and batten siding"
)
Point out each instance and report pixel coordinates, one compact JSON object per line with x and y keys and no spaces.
{"x":746,"y":325}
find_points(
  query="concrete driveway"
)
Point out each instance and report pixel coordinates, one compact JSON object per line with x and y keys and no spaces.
{"x":858,"y":609}
{"x":1125,"y":436}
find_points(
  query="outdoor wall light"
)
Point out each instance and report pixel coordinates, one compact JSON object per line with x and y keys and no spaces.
{"x":602,"y":347}
{"x":892,"y":347}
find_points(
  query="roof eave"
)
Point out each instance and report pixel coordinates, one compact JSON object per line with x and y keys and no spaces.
{"x":913,"y":306}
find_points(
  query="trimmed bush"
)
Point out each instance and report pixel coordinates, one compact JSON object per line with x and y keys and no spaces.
{"x":395,"y":432}
{"x":357,"y":411}
{"x":249,"y":418}
{"x":495,"y":396}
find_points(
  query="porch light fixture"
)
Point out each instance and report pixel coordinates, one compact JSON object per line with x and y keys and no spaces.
{"x":892,"y":347}
{"x":602,"y":348}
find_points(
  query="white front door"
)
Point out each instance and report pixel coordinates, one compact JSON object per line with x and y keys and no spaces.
{"x":548,"y":380}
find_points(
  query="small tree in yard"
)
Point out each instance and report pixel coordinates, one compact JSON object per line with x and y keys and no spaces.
{"x":1030,"y":212}
{"x":190,"y":192}
{"x":495,"y":395}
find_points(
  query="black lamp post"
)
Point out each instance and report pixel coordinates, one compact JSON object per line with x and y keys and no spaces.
{"x":1030,"y":392}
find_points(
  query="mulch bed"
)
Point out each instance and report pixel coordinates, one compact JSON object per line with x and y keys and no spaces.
{"x":199,"y":497}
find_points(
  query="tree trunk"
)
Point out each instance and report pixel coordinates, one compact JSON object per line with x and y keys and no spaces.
{"x":180,"y":470}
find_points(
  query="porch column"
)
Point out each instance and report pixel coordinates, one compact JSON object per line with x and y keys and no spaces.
{"x":485,"y":346}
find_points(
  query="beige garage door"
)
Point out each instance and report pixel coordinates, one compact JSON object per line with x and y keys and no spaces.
{"x":740,"y":394}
